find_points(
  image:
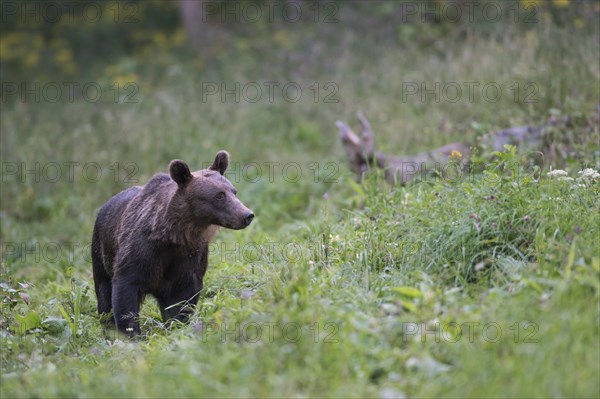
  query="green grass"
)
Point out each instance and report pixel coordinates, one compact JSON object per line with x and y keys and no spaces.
{"x":358,"y":288}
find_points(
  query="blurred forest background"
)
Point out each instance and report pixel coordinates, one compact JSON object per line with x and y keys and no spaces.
{"x":116,"y":69}
{"x":118,"y":40}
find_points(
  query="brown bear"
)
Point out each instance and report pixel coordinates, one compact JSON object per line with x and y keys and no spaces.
{"x":154,"y":240}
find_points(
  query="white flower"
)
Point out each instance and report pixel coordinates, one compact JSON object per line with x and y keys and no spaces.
{"x":563,"y":178}
{"x":589,"y":174}
{"x":557,"y":173}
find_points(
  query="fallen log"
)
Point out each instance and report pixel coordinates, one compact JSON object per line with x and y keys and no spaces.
{"x":401,"y":169}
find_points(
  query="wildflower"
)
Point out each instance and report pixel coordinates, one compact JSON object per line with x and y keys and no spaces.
{"x":589,"y":175}
{"x":557,"y":173}
{"x":563,"y":178}
{"x":455,"y":154}
{"x":530,"y":3}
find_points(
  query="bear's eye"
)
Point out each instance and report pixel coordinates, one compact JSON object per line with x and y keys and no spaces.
{"x":220,"y":196}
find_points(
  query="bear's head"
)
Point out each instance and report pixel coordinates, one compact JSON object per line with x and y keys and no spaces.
{"x":208,"y":196}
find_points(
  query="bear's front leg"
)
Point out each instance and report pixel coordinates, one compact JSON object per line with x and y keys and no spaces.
{"x":126,"y":301}
{"x":179,"y":304}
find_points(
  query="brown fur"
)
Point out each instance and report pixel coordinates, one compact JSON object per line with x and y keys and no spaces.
{"x":154,"y":240}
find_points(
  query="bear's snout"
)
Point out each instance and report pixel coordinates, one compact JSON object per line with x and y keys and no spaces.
{"x":248,"y":218}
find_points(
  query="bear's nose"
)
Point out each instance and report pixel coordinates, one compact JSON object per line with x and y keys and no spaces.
{"x":248,"y":218}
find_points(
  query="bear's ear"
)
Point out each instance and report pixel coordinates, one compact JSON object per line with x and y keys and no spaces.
{"x":180,"y":173}
{"x":221,"y":162}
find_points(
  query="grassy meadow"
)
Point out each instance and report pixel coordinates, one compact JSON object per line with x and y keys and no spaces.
{"x":483,"y":285}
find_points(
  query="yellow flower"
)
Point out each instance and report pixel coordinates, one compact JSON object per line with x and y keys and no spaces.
{"x":123,"y":80}
{"x":561,"y":3}
{"x":455,"y":154}
{"x":160,"y":39}
{"x":15,"y":46}
{"x":530,"y":3}
{"x":63,"y":56}
{"x":178,"y":38}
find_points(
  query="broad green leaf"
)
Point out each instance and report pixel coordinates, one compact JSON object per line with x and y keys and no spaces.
{"x":28,"y":322}
{"x":54,"y":325}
